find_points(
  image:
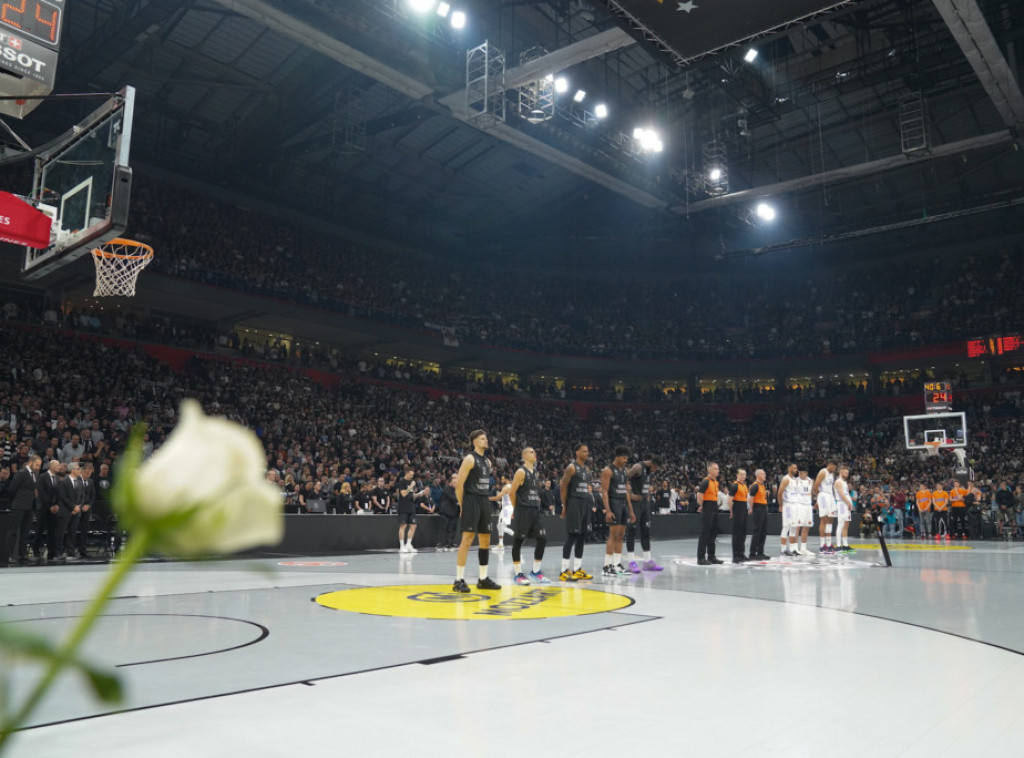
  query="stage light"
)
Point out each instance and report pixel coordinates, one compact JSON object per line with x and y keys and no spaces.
{"x":648,"y":140}
{"x":458,"y":20}
{"x":421,"y":6}
{"x":561,"y":85}
{"x":751,"y":55}
{"x":765,"y":212}
{"x":443,"y":9}
{"x":578,"y":97}
{"x":600,"y":110}
{"x":715,"y":174}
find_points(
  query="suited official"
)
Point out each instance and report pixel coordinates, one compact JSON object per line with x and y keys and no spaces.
{"x":46,"y":486}
{"x":78,"y":540}
{"x":5,"y":516}
{"x":24,"y":505}
{"x":69,"y":504}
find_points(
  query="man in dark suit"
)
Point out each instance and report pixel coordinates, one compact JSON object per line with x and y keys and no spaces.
{"x":24,"y":503}
{"x":78,"y":540}
{"x":46,"y":485}
{"x":69,"y":503}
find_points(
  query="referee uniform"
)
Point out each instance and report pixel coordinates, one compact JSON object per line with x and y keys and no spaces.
{"x":708,"y":492}
{"x":738,"y":493}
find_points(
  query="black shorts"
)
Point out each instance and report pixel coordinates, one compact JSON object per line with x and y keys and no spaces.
{"x":642,"y":511}
{"x":577,"y":515}
{"x":408,"y":517}
{"x":526,"y":522}
{"x":476,"y":514}
{"x":620,"y":510}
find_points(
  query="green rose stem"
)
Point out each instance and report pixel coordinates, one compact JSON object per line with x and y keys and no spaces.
{"x":136,"y":548}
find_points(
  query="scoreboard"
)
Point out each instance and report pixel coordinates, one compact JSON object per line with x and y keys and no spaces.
{"x":1013,"y":343}
{"x":29,"y":44}
{"x":938,"y":397}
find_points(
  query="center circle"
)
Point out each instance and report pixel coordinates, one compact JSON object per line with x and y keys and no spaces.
{"x":437,"y":601}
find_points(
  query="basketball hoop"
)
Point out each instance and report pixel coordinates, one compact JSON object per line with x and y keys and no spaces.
{"x":932,"y":448}
{"x":118,"y":263}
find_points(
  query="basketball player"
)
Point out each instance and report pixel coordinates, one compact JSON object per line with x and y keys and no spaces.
{"x":923,"y":496}
{"x":844,"y":511}
{"x":618,"y":510}
{"x":804,"y":508}
{"x":757,"y":506}
{"x":738,"y":513}
{"x":505,"y":514}
{"x":472,"y":487}
{"x":524,"y":495}
{"x":707,"y":506}
{"x":940,"y":502}
{"x":575,"y":488}
{"x":640,"y":494}
{"x":824,"y":495}
{"x":786,"y":495}
{"x":407,"y":495}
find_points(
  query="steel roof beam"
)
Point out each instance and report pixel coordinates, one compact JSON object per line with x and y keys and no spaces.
{"x":847,"y":172}
{"x":970,"y":30}
{"x":348,"y":56}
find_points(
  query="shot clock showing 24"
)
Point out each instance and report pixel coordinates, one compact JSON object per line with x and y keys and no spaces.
{"x":29,"y":44}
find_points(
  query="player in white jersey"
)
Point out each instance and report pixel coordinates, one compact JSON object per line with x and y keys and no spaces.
{"x":505,"y":515}
{"x":824,"y":494}
{"x":786,"y":495}
{"x":804,"y":499}
{"x":844,"y":511}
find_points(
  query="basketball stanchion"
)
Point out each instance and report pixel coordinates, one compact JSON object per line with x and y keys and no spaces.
{"x":885,"y":549}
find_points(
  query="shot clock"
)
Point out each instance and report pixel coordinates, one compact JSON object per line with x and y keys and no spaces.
{"x":29,"y":44}
{"x":938,"y":396}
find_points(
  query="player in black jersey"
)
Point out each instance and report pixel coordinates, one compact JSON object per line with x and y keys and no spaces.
{"x":576,"y":505}
{"x":472,"y":488}
{"x":640,"y":494}
{"x":618,"y":510}
{"x":526,"y":518}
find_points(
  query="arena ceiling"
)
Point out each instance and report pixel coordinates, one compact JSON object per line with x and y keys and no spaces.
{"x":355,"y":111}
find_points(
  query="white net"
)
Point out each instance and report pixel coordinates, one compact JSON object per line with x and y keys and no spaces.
{"x":118,"y":264}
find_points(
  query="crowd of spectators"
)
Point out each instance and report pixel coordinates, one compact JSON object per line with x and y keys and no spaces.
{"x":861,"y":306}
{"x":74,"y":398}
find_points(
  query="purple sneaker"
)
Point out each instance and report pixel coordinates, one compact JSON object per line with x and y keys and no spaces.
{"x":634,"y":567}
{"x":652,"y":566}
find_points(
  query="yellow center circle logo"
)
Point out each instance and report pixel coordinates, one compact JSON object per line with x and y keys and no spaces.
{"x":437,"y":601}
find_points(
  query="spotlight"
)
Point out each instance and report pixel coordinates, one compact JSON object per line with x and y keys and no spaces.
{"x":751,"y":55}
{"x":765,"y":212}
{"x":715,"y":174}
{"x":421,"y":6}
{"x":443,"y":9}
{"x":600,"y":110}
{"x":458,"y":20}
{"x":561,"y":85}
{"x":578,"y":97}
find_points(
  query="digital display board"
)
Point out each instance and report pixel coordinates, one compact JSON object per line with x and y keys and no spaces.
{"x":1013,"y":343}
{"x":938,"y":396}
{"x":29,"y":44}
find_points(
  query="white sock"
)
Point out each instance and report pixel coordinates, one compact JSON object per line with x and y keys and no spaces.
{"x":647,"y":556}
{"x":565,"y":564}
{"x":577,"y":563}
{"x":483,"y":572}
{"x":460,"y":572}
{"x":608,"y":559}
{"x":617,"y":559}
{"x":632,"y":556}
{"x":536,"y":567}
{"x":517,"y":568}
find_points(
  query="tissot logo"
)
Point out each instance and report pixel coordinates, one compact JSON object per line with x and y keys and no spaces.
{"x":10,"y":50}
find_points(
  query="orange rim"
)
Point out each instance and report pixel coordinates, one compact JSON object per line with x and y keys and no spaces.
{"x":146,"y":250}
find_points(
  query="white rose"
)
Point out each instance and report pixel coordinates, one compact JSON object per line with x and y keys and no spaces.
{"x":219,"y":466}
